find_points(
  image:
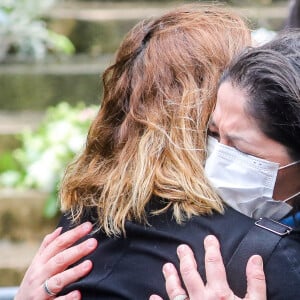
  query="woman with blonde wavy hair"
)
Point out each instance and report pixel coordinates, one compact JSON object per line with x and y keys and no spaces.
{"x":149,"y":136}
{"x":140,"y":179}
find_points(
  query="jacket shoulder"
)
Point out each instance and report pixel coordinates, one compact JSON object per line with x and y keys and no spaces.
{"x":283,"y":269}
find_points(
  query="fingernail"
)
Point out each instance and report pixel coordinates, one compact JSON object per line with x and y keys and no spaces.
{"x":86,"y":264}
{"x":257,"y":260}
{"x":91,"y":243}
{"x":167,"y":268}
{"x":58,"y":230}
{"x":181,"y":250}
{"x":87,"y":226}
{"x":210,"y":240}
{"x":75,"y":295}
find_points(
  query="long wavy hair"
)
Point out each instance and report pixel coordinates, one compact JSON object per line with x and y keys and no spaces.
{"x":149,"y":136}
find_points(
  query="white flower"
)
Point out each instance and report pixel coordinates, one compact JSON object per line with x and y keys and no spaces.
{"x":9,"y":178}
{"x":46,"y":151}
{"x":76,"y":143}
{"x":59,"y":131}
{"x":43,"y":173}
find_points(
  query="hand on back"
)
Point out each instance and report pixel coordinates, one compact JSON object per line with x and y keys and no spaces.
{"x":51,"y":263}
{"x":216,"y":287}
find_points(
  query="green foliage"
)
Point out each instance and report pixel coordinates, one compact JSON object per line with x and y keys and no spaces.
{"x":44,"y":153}
{"x":7,"y":162}
{"x":61,"y":43}
{"x":23,"y":32}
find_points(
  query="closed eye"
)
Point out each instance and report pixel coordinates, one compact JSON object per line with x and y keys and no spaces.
{"x":213,"y":131}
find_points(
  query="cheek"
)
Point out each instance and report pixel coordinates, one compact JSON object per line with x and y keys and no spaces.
{"x":264,"y":147}
{"x":278,"y":153}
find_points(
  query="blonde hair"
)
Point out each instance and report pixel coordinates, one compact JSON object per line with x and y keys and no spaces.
{"x":149,"y":136}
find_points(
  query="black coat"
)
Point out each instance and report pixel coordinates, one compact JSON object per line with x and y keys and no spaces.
{"x":131,"y":268}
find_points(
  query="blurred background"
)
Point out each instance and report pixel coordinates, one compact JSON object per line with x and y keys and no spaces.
{"x":52,"y":54}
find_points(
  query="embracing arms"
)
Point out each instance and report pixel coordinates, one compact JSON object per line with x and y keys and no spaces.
{"x":57,"y":253}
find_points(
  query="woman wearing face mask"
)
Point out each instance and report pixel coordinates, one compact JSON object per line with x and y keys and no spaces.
{"x":254,"y":130}
{"x":254,"y":156}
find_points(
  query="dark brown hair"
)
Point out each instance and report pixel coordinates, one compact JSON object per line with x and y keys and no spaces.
{"x":270,"y":77}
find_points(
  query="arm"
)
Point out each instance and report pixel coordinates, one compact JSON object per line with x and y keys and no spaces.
{"x":216,"y":286}
{"x":54,"y":256}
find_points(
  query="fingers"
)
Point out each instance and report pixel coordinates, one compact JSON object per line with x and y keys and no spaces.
{"x":75,"y":295}
{"x":217,"y":285}
{"x":53,"y":258}
{"x":65,"y":240}
{"x":173,"y":284}
{"x":49,"y":238}
{"x":215,"y":270}
{"x":57,"y":282}
{"x":256,"y":289}
{"x":69,"y":256}
{"x":189,"y":272}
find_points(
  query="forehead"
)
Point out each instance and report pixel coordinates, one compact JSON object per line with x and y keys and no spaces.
{"x":237,"y":128}
{"x":231,"y":108}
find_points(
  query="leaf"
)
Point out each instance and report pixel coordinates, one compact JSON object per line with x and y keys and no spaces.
{"x":61,"y":43}
{"x":7,"y":162}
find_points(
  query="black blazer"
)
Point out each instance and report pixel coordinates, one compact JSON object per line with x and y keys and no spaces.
{"x":131,"y":268}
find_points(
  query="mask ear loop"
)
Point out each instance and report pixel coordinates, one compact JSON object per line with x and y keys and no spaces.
{"x":290,"y":164}
{"x":291,"y":197}
{"x":286,"y":166}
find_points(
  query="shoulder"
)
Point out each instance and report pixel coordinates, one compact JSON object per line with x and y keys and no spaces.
{"x":229,"y":227}
{"x":230,"y":222}
{"x":283,"y":269}
{"x":67,"y":222}
{"x":288,"y":249}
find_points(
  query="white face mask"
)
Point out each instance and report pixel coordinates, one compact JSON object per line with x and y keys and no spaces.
{"x":245,"y":182}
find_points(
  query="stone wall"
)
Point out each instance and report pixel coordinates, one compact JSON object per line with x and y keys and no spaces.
{"x":22,"y":228}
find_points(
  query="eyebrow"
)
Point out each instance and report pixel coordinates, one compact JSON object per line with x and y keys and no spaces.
{"x":230,"y":137}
